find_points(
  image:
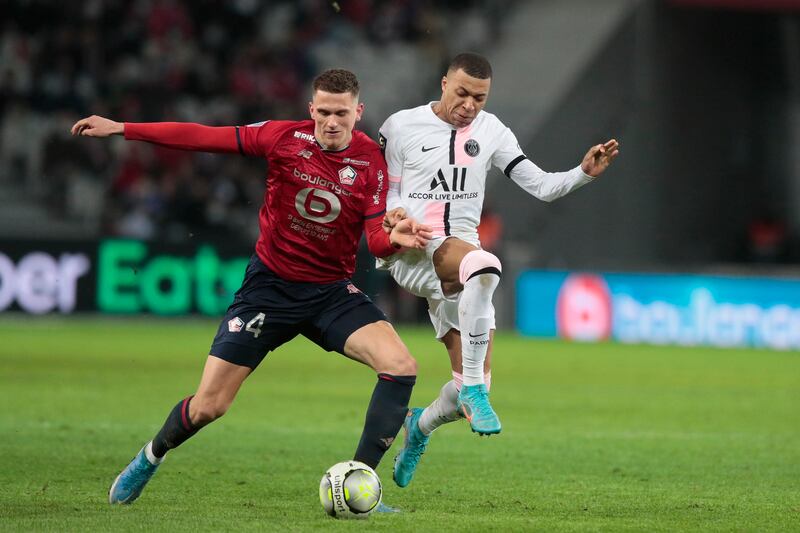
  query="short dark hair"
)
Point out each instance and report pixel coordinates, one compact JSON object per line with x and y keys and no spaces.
{"x":475,"y":65}
{"x":336,"y":80}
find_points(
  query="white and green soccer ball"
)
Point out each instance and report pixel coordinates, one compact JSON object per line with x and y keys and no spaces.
{"x":350,"y":489}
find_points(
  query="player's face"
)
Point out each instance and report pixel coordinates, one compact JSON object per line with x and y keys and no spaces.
{"x":462,"y":97}
{"x":335,"y":115}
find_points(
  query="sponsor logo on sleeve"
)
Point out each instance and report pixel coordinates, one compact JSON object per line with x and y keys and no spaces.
{"x":376,"y":198}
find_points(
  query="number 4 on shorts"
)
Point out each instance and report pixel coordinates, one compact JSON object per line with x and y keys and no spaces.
{"x":254,"y":326}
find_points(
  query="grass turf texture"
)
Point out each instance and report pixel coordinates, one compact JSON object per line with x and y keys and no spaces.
{"x":595,"y":437}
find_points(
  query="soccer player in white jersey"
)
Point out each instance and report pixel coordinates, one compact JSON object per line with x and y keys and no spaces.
{"x":438,"y":155}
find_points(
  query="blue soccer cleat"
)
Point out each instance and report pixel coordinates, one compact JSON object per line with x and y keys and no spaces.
{"x":130,"y":482}
{"x":414,"y":445}
{"x":383,"y":508}
{"x":473,"y":404}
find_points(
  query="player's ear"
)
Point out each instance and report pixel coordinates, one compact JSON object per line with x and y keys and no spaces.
{"x":311,"y":109}
{"x":359,"y":111}
{"x":444,"y":83}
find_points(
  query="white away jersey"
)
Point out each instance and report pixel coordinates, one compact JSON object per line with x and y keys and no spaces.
{"x":437,"y":172}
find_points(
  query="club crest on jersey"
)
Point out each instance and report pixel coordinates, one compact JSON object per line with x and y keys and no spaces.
{"x":472,"y":148}
{"x":352,"y":289}
{"x":347,"y":175}
{"x":305,"y":154}
{"x":235,"y":325}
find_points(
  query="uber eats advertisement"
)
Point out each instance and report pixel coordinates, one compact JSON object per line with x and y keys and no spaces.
{"x":119,"y":276}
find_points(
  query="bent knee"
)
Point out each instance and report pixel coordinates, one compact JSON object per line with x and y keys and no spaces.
{"x":479,"y":262}
{"x":207,"y":410}
{"x":382,"y":349}
{"x":400,"y":363}
{"x":407,"y":367}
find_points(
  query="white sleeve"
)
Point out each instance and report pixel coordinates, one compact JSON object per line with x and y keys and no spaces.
{"x":546,"y":186}
{"x":389,"y":141}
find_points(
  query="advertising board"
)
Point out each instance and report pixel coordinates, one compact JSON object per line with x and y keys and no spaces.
{"x":660,"y":309}
{"x":118,"y":276}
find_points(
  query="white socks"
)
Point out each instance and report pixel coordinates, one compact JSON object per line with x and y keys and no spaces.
{"x":474,"y":320}
{"x":148,"y":452}
{"x":443,"y":409}
{"x":479,"y":273}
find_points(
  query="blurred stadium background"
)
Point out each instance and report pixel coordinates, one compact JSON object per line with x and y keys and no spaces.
{"x":691,"y":238}
{"x":703,"y":94}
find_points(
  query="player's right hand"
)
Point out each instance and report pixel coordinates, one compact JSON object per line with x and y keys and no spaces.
{"x":95,"y":126}
{"x":392,"y":217}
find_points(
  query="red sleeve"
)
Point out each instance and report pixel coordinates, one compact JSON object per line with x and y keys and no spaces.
{"x":259,"y":139}
{"x":375,"y":197}
{"x":375,"y":207}
{"x":377,"y":239}
{"x":184,"y":136}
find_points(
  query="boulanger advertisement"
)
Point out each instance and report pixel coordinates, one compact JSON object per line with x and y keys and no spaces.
{"x":685,"y":309}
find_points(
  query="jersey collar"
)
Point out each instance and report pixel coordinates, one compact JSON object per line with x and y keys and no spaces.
{"x":330,"y":151}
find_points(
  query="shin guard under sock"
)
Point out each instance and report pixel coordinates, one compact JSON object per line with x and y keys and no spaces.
{"x":385,"y":415}
{"x":176,"y":429}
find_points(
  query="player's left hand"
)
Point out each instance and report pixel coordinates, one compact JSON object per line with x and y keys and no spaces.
{"x":392,"y":217}
{"x":599,"y":157}
{"x":409,"y":233}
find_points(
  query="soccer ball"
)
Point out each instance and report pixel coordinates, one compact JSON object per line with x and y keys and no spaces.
{"x":350,"y":489}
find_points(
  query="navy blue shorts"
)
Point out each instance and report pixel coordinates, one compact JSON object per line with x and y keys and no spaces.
{"x":268,"y":311}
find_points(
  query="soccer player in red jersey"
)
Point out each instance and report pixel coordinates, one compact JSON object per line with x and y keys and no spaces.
{"x":325,"y":184}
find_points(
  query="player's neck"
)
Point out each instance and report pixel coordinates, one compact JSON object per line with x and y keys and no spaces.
{"x":439,"y":111}
{"x":338,"y":148}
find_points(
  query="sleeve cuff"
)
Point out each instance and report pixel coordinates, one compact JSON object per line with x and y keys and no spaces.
{"x":583,"y":176}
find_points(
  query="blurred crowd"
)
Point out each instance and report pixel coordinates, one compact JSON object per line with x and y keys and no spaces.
{"x":218,"y":63}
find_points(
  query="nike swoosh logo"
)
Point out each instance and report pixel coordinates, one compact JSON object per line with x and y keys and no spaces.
{"x":429,"y":149}
{"x":478,"y":335}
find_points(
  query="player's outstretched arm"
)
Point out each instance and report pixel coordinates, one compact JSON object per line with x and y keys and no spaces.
{"x":599,"y":157}
{"x":409,"y":233}
{"x":96,"y":126}
{"x":178,"y":135}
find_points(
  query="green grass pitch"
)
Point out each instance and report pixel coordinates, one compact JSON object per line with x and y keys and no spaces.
{"x":595,"y":437}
